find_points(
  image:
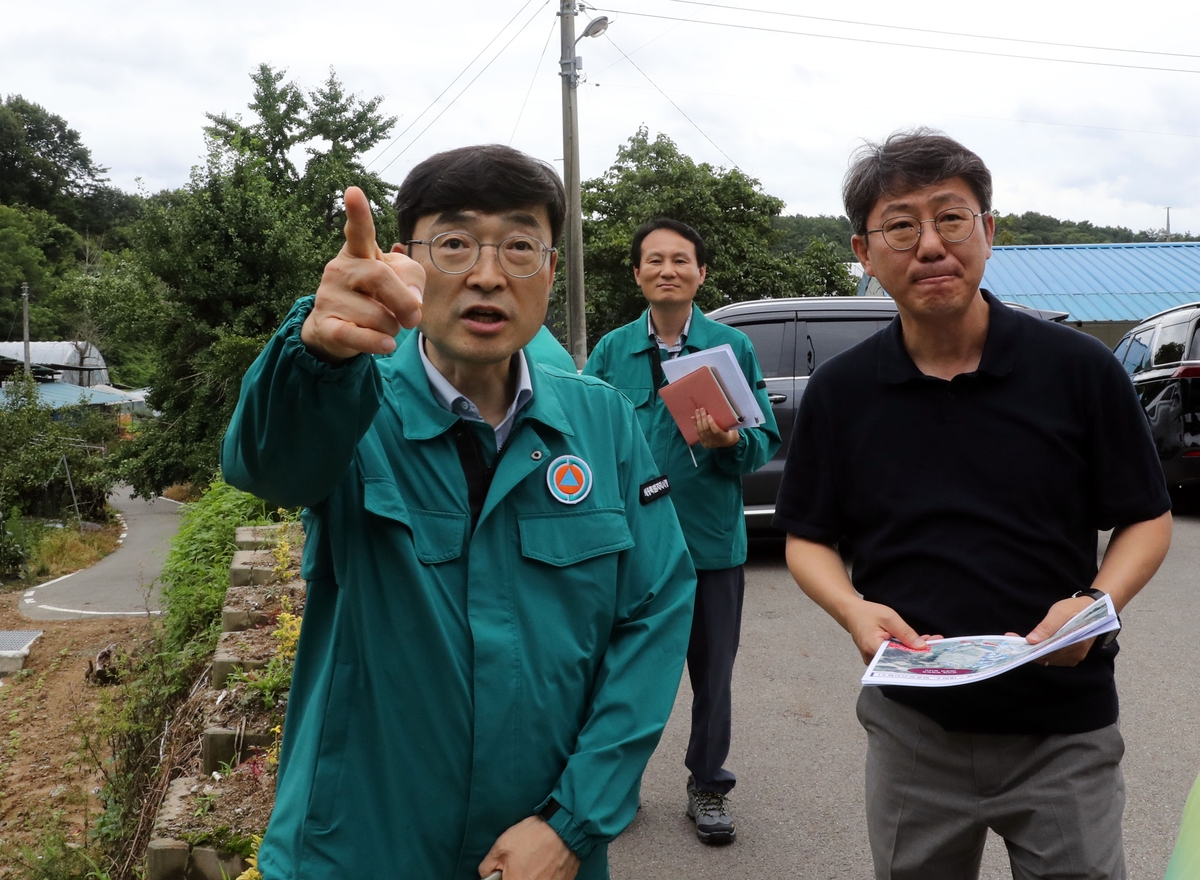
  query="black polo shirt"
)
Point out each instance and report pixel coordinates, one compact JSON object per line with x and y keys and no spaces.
{"x":972,"y":505}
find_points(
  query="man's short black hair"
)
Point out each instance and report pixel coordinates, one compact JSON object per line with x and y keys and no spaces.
{"x":635,"y":249}
{"x":910,"y":160}
{"x":491,"y":178}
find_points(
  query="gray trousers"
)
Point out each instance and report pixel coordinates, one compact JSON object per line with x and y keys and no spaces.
{"x":932,"y":796}
{"x":716,"y":630}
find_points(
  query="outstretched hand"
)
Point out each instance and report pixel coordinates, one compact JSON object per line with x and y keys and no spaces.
{"x":365,"y":295}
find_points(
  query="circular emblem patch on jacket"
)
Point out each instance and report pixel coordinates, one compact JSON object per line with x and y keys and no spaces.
{"x":569,"y":479}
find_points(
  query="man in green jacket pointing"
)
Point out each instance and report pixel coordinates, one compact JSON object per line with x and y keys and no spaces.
{"x":705,"y":483}
{"x":497,"y":618}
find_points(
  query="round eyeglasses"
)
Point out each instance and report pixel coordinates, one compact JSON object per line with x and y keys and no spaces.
{"x":454,"y":253}
{"x":902,"y":233}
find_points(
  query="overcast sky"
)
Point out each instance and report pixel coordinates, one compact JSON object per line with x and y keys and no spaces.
{"x":784,"y":97}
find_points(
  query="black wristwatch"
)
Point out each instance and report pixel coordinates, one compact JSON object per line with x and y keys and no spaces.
{"x":1107,"y":638}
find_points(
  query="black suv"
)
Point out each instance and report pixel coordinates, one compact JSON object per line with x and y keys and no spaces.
{"x":1162,"y":357}
{"x":792,"y":337}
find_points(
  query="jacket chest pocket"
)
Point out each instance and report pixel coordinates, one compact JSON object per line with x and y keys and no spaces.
{"x":639,"y":397}
{"x":437,"y":535}
{"x":568,"y":538}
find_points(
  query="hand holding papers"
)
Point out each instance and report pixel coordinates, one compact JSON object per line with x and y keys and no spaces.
{"x":946,"y":662}
{"x":712,"y":380}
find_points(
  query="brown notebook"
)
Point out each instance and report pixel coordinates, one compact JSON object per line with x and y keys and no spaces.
{"x":700,"y":389}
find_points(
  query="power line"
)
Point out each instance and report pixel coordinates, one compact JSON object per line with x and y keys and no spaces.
{"x":655,"y":39}
{"x":529,"y":91}
{"x":466,"y":87}
{"x":470,"y":63}
{"x":673,"y":104}
{"x":897,"y":27}
{"x":777,"y":100}
{"x":747,"y":27}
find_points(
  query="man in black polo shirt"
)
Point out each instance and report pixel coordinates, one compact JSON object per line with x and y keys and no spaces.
{"x":969,"y":454}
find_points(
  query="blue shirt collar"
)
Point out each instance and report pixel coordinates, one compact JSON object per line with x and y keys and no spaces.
{"x":455,"y":402}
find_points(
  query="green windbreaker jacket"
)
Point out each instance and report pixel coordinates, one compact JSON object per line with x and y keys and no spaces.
{"x":707,"y":493}
{"x":448,"y":683}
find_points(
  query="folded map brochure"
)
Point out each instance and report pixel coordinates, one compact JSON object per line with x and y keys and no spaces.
{"x":700,"y":389}
{"x":733,"y":380}
{"x":946,"y":662}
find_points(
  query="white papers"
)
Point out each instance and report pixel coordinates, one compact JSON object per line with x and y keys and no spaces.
{"x":947,"y":662}
{"x":722,"y":360}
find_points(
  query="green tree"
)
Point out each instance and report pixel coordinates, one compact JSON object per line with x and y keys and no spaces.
{"x":232,"y":255}
{"x":34,"y":442}
{"x":825,"y":274}
{"x":37,"y":250}
{"x":232,"y":251}
{"x":653,"y":179}
{"x":334,"y":128}
{"x":798,"y":230}
{"x":44,"y":164}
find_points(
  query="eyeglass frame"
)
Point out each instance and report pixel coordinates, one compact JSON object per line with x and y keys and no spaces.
{"x":547,"y":250}
{"x":921,"y":229}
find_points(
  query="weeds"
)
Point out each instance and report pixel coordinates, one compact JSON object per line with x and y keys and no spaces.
{"x":273,"y":680}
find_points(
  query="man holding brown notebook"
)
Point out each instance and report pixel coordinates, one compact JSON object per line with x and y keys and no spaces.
{"x":704,"y":481}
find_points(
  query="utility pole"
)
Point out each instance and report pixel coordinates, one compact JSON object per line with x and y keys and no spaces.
{"x":1168,"y":222}
{"x":570,"y":65}
{"x":576,"y":317}
{"x":25,"y":301}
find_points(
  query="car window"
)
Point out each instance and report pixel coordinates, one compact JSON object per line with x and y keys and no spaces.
{"x":770,"y":339}
{"x":1122,"y":347}
{"x":1194,"y":347}
{"x":1137,"y":355}
{"x":827,"y":338}
{"x":1168,"y":348}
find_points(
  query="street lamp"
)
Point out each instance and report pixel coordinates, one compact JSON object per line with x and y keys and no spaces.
{"x":570,"y":65}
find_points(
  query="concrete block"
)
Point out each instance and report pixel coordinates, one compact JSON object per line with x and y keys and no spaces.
{"x":174,"y":806}
{"x":258,"y":537}
{"x":240,"y":619}
{"x":211,"y":864}
{"x":12,"y":661}
{"x":217,"y":747}
{"x":167,"y":860}
{"x":225,"y":664}
{"x":244,"y":570}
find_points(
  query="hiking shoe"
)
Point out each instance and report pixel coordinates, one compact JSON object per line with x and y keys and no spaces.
{"x":710,"y":811}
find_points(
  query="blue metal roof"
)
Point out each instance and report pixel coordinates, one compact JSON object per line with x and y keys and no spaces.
{"x":57,"y":395}
{"x":1097,"y":282}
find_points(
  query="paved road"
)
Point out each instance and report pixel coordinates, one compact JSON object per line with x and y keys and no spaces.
{"x":123,"y":583}
{"x":798,"y":750}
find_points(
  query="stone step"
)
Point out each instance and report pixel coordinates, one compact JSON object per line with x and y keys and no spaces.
{"x":228,"y":659}
{"x":258,"y":537}
{"x":170,"y":859}
{"x":251,"y":567}
{"x":219,"y":748}
{"x":253,"y":605}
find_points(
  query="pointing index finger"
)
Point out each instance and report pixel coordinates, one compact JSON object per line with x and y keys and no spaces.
{"x":360,"y":226}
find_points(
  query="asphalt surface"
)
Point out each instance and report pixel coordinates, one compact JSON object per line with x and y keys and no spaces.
{"x":124,"y":583}
{"x":798,"y":750}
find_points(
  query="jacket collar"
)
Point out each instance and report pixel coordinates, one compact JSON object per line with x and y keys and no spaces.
{"x":423,"y":418}
{"x":896,"y":365}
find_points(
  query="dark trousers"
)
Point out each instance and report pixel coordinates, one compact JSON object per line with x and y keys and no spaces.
{"x":716,"y":627}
